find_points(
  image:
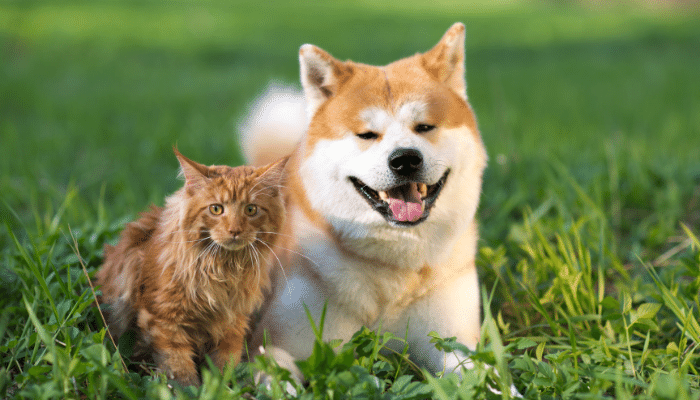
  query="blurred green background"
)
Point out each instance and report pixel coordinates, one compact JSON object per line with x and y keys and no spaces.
{"x":592,"y":106}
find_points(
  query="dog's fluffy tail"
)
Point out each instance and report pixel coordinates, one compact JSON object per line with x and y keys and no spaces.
{"x":274,"y":125}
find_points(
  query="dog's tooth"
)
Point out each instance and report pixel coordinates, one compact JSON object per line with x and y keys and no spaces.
{"x":383,"y":195}
{"x":423,"y":189}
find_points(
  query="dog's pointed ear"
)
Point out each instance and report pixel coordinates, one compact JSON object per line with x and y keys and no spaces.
{"x":445,"y":61}
{"x":321,"y":76}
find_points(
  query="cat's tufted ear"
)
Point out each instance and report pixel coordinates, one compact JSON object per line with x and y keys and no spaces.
{"x":272,"y":175}
{"x":445,"y":61}
{"x":321,"y":76}
{"x":195,"y":173}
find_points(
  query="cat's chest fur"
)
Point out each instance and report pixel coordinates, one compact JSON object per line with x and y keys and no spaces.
{"x":211,"y":293}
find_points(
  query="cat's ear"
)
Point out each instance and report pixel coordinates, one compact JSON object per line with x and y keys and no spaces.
{"x":272,"y":175}
{"x":195,"y":173}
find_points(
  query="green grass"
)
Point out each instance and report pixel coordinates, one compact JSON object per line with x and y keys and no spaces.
{"x":590,"y":213}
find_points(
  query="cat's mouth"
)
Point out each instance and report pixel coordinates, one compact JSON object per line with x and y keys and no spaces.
{"x":230,"y":243}
{"x":234,"y":244}
{"x":404,"y":205}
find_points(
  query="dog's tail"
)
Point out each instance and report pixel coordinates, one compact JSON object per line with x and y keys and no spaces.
{"x":274,"y":125}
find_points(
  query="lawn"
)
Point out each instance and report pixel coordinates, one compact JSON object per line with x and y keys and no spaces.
{"x":590,"y":213}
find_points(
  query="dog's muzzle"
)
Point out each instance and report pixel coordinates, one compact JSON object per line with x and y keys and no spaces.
{"x":403,"y":205}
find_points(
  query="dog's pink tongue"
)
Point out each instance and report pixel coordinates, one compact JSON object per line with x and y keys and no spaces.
{"x":409,"y":207}
{"x":403,"y":211}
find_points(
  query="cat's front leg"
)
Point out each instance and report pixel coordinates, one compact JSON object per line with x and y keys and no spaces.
{"x":172,"y":347}
{"x":229,"y":349}
{"x":177,"y":364}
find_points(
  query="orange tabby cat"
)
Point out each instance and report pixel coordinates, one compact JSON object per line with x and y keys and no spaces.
{"x":187,"y":276}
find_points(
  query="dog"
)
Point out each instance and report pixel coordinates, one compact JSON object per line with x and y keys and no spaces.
{"x":382,"y":189}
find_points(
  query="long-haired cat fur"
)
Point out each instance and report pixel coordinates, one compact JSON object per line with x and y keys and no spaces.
{"x":186,"y":277}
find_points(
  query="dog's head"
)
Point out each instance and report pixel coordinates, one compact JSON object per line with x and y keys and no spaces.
{"x":391,"y":147}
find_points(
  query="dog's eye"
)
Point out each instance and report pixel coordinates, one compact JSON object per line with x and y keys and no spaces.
{"x":367,"y":135}
{"x":421,"y":128}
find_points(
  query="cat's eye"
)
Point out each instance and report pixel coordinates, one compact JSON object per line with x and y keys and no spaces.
{"x":250,"y":210}
{"x":216,"y":209}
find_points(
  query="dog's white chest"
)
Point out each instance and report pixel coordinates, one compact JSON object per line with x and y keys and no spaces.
{"x":379,"y":294}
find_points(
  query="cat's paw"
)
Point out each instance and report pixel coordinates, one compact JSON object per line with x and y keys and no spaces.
{"x":179,"y":367}
{"x":185,"y":379}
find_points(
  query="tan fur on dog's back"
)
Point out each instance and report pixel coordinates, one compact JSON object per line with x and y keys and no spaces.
{"x":275,"y":124}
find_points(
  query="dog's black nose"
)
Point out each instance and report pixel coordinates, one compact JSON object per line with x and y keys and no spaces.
{"x":405,"y":162}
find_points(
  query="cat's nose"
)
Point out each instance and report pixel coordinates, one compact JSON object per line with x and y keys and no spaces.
{"x":234,"y":232}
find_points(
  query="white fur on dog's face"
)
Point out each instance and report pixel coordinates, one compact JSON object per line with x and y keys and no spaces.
{"x":372,"y":165}
{"x":326,"y":171}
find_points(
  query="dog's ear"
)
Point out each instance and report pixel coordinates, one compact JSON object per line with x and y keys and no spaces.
{"x":321,"y":76}
{"x":445,"y":61}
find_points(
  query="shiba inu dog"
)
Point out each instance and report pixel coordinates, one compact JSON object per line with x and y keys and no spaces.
{"x":382,"y":190}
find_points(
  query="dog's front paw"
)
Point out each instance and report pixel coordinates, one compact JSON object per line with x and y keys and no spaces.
{"x":277,"y":358}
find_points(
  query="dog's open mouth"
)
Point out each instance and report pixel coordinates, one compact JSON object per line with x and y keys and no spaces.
{"x":404,"y":205}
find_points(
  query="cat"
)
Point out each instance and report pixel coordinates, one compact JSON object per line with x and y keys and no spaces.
{"x":186,"y":277}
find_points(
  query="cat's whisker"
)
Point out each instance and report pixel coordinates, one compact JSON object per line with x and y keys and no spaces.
{"x":263,"y":194}
{"x":239,"y":266}
{"x":189,"y":230}
{"x":203,"y":250}
{"x":277,"y":233}
{"x":183,"y":241}
{"x":264,"y":181}
{"x":251,"y":251}
{"x":265,"y":188}
{"x":165,"y":240}
{"x":202,"y":254}
{"x":254,"y":186}
{"x":295,"y":252}
{"x":261,"y":257}
{"x":257,"y":262}
{"x":174,"y":231}
{"x":269,"y":186}
{"x":278,"y":259}
{"x":215,"y":256}
{"x":277,"y":185}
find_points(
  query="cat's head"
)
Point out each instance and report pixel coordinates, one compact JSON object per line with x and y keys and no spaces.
{"x":231,"y":206}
